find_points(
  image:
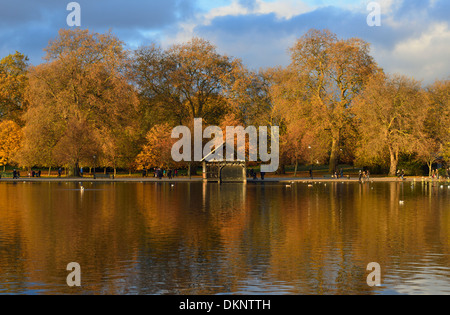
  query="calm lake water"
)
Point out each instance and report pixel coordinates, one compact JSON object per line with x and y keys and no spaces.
{"x":152,"y":238}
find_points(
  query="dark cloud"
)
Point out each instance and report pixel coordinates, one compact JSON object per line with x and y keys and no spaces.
{"x":98,"y":13}
{"x":28,"y":25}
{"x":21,"y":12}
{"x":134,"y":13}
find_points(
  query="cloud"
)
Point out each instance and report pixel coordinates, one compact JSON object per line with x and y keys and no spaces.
{"x":413,"y":38}
{"x":265,"y":38}
{"x":424,"y":57}
{"x":28,"y":25}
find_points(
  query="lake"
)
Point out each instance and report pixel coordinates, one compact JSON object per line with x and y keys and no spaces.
{"x":194,"y":238}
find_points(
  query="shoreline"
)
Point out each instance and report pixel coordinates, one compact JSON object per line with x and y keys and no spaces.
{"x":282,"y":180}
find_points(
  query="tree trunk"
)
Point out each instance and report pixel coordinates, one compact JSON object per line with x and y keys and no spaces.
{"x":74,"y":171}
{"x":394,"y":162}
{"x":296,"y":168}
{"x":281,"y":170}
{"x":430,"y":168}
{"x":334,"y":158}
{"x":49,"y":171}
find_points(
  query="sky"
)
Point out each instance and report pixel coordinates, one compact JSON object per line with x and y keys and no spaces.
{"x":413,"y":39}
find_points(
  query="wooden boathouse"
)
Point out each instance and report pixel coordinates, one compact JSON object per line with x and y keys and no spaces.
{"x":222,"y":171}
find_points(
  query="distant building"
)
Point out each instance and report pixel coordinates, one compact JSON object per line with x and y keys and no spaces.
{"x":224,"y":171}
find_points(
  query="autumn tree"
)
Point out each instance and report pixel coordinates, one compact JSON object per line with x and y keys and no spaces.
{"x":323,"y":79}
{"x":185,"y":82}
{"x":157,"y":149}
{"x":250,"y":97}
{"x":299,"y":142}
{"x":79,"y":99}
{"x":13,"y":82}
{"x":10,"y":141}
{"x":434,"y":135}
{"x":389,"y":113}
{"x":251,"y":105}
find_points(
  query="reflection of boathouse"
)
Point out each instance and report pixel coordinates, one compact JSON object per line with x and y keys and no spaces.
{"x":223,"y":171}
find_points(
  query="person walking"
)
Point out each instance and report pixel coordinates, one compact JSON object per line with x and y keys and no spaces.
{"x":59,"y":172}
{"x":360,"y":176}
{"x":262,"y":175}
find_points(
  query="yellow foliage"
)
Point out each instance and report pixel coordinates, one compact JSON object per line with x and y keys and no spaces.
{"x":157,"y":149}
{"x":10,"y":139}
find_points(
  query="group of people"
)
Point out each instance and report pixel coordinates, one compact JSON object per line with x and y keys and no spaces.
{"x":34,"y":173}
{"x":16,"y":174}
{"x":401,"y":174}
{"x":339,"y":174}
{"x":252,"y":174}
{"x":160,"y":173}
{"x":436,"y":175}
{"x":364,"y":176}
